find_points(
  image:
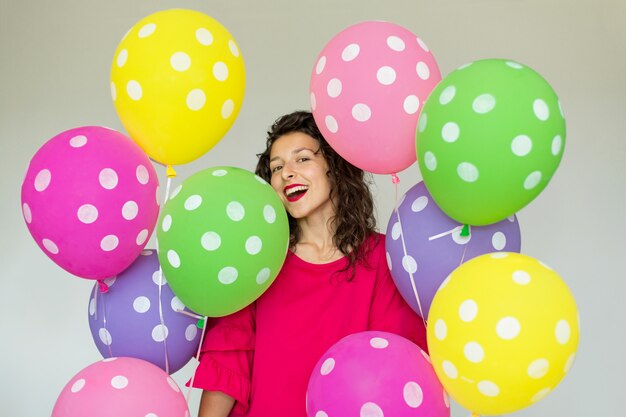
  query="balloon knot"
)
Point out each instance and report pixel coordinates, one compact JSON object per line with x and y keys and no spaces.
{"x":104,"y":288}
{"x":395,"y":179}
{"x":200,"y":324}
{"x":466,"y":230}
{"x":170,"y":172}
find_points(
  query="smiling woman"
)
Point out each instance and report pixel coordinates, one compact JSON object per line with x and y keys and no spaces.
{"x":334,"y":282}
{"x":352,"y":219}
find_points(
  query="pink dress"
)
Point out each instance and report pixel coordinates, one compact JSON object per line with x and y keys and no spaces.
{"x":263,"y":355}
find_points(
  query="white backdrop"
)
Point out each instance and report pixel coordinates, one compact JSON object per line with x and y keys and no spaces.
{"x":54,"y":75}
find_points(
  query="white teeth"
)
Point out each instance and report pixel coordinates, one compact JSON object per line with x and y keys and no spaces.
{"x":296,"y":189}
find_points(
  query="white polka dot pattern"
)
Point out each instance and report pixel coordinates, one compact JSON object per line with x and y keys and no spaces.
{"x":379,"y":342}
{"x":122,"y":57}
{"x":449,"y":369}
{"x":204,"y":36}
{"x":371,"y":409}
{"x":468,"y":310}
{"x":350,"y":52}
{"x":159,"y":333}
{"x":109,"y":243}
{"x":130,"y":209}
{"x":508,"y":328}
{"x":78,"y":141}
{"x":220,"y":71}
{"x":395,"y":378}
{"x":413,"y":395}
{"x":135,"y":310}
{"x":441,"y":330}
{"x":263,"y":276}
{"x":327,"y":366}
{"x":87,"y":213}
{"x":122,"y":380}
{"x":509,"y":321}
{"x":196,"y":99}
{"x":78,"y":385}
{"x":147,"y":30}
{"x":108,"y":178}
{"x":211,"y":241}
{"x":134,"y":90}
{"x":484,"y":103}
{"x":241,"y":232}
{"x":411,"y":104}
{"x":397,"y":72}
{"x":235,"y":211}
{"x":490,"y":156}
{"x":227,"y":275}
{"x":180,"y":61}
{"x":386,"y":75}
{"x":141,"y":304}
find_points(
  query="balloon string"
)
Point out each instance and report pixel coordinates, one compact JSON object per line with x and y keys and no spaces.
{"x":464,"y":251}
{"x":440,"y":235}
{"x":190,"y":314}
{"x":104,"y":324}
{"x":412,"y":278}
{"x":193,"y":376}
{"x":95,"y":301}
{"x":104,"y":288}
{"x":163,"y":328}
{"x":167,"y":190}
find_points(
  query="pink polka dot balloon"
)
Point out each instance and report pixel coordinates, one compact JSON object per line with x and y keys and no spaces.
{"x":90,"y":201}
{"x":121,"y":387}
{"x":367,"y":88}
{"x":375,"y":374}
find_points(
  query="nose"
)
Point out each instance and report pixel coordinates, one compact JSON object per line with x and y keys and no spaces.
{"x":287,"y":172}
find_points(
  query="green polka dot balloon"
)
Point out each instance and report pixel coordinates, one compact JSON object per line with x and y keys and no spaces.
{"x":223,"y":237}
{"x":489,"y":139}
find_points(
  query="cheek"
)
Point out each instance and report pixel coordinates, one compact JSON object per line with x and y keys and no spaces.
{"x":277,"y":187}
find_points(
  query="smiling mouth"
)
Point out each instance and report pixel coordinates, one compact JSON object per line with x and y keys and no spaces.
{"x":295,"y":193}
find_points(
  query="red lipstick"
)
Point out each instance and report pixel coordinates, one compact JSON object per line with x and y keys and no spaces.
{"x":296,"y":193}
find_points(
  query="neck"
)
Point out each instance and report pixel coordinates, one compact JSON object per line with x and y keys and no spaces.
{"x":317,"y":230}
{"x":316,"y":241}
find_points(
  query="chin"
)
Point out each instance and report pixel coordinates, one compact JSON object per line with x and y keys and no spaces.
{"x":296,"y":214}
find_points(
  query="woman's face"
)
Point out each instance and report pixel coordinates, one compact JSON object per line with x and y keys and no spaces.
{"x":299,"y":175}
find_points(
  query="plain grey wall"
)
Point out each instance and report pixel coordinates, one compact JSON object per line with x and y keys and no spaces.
{"x":54,"y":75}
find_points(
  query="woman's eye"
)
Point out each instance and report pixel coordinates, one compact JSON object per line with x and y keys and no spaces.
{"x":303,"y":159}
{"x":276,"y":168}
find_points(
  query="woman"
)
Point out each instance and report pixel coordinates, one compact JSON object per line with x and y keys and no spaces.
{"x":334,"y":282}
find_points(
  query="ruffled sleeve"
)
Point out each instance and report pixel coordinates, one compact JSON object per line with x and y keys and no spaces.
{"x":389,"y":312}
{"x":226,"y":358}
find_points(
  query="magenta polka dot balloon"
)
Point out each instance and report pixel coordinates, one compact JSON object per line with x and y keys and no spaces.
{"x":121,"y":387}
{"x":90,"y":201}
{"x":375,"y":374}
{"x":367,"y":88}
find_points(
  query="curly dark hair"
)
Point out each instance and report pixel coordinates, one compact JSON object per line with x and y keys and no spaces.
{"x":350,"y":195}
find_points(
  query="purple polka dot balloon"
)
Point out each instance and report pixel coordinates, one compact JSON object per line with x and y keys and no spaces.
{"x":424,"y":246}
{"x":125,"y":321}
{"x":375,"y":374}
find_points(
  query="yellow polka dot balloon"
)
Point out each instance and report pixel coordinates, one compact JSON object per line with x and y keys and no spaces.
{"x":177,"y":82}
{"x":502,"y":332}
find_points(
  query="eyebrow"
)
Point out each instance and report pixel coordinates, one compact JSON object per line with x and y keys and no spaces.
{"x":295,"y":151}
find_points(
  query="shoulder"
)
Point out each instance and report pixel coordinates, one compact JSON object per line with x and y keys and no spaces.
{"x":376,"y":241}
{"x":374,"y":247}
